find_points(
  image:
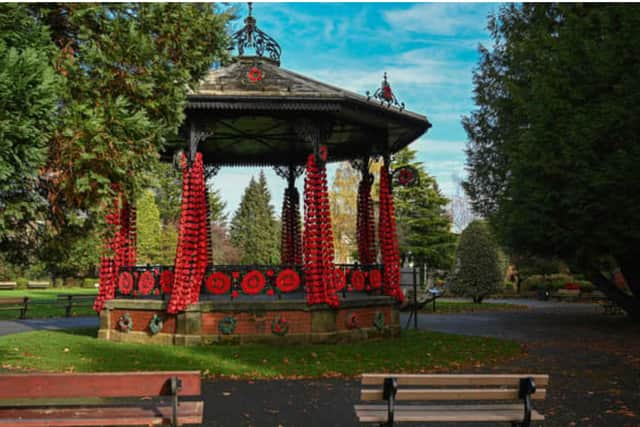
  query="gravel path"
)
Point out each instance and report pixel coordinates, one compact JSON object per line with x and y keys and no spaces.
{"x":15,"y":326}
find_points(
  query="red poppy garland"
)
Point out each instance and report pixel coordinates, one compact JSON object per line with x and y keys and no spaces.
{"x":218,"y":283}
{"x":318,"y":235}
{"x":389,"y":238}
{"x":288,"y":280}
{"x":365,"y":226}
{"x":253,"y":282}
{"x":192,"y":251}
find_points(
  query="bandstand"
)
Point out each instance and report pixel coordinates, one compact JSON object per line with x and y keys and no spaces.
{"x":253,"y":112}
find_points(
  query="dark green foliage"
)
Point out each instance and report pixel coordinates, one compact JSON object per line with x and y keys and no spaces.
{"x":29,"y":91}
{"x":254,"y":229}
{"x":553,"y":154}
{"x":424,"y":228}
{"x":479,"y":270}
{"x":126,"y":67}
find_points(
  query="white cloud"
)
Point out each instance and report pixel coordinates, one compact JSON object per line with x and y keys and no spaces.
{"x":440,"y":18}
{"x":431,"y":146}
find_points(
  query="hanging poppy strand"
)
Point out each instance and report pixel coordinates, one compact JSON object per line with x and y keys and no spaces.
{"x":318,"y":236}
{"x":192,"y":252}
{"x":291,"y":244}
{"x":365,"y":226}
{"x":389,"y":238}
{"x":111,"y":253}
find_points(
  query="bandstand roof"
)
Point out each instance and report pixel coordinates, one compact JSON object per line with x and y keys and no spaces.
{"x":251,"y":107}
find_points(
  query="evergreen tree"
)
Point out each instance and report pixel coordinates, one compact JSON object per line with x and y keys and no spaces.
{"x":424,"y":227}
{"x":149,"y":230}
{"x":479,"y":268}
{"x":343,"y":198}
{"x":553,"y":153}
{"x":254,"y":229}
{"x":29,"y":94}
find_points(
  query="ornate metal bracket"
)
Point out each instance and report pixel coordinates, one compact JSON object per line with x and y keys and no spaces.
{"x":314,"y":133}
{"x":251,"y":37}
{"x":196,"y":136}
{"x":289,"y":173}
{"x":385,"y":95}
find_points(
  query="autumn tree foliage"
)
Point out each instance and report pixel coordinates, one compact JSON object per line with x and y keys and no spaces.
{"x":343,"y":198}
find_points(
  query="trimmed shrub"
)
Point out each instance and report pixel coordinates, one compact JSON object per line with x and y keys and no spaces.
{"x":89,"y":282}
{"x":21,"y":283}
{"x":479,"y":268}
{"x":58,"y":283}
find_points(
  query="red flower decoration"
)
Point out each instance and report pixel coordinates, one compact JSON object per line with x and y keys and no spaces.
{"x":125,"y":283}
{"x":235,"y":275}
{"x":146,"y":283}
{"x":234,"y":294}
{"x":375,"y":279}
{"x":270,"y":291}
{"x":156,"y":292}
{"x":270,"y":273}
{"x":218,"y":283}
{"x":339,"y":279}
{"x":357,"y":280}
{"x":288,"y":280}
{"x":387,"y":93}
{"x":254,"y":74}
{"x":166,"y":281}
{"x":253,"y":282}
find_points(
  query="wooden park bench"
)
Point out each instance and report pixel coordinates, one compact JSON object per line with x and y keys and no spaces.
{"x":8,"y":286}
{"x":100,"y":399}
{"x":16,"y":303}
{"x":68,"y":301}
{"x":469,"y":398}
{"x":611,"y":308}
{"x":37,"y":285}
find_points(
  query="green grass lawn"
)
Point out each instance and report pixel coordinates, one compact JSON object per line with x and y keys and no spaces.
{"x":43,"y":305}
{"x":415,"y":351}
{"x":466,"y":307}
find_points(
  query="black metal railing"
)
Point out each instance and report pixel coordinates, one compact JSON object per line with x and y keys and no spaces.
{"x":232,"y":281}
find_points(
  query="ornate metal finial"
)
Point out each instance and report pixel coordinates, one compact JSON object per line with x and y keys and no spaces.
{"x":385,"y":95}
{"x":251,"y":37}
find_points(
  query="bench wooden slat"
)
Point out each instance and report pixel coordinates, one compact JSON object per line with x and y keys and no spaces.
{"x":451,"y":415}
{"x":188,"y":413}
{"x":455,"y":380}
{"x":118,"y":384}
{"x":452,"y":394}
{"x":439,"y":407}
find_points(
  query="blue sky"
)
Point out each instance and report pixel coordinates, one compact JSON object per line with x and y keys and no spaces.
{"x":428,"y":50}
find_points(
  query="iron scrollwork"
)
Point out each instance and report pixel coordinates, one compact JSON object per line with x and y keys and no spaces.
{"x":385,"y":95}
{"x":251,"y":37}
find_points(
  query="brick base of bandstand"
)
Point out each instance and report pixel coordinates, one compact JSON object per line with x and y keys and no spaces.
{"x":355,"y":320}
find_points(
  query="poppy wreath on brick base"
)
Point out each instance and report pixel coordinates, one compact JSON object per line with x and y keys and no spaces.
{"x":125,"y":323}
{"x":352,"y":321}
{"x":227,"y":325}
{"x":378,"y":320}
{"x":280,"y":326}
{"x":155,"y":324}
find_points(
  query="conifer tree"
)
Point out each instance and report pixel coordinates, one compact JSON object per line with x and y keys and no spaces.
{"x":424,"y":228}
{"x":254,"y":229}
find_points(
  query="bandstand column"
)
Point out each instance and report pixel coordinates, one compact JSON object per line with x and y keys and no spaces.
{"x":318,"y":248}
{"x":291,"y":233}
{"x":193,"y":241}
{"x":365,"y":226}
{"x":388,"y":235}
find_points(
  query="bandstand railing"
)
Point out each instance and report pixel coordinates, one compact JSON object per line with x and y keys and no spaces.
{"x":231,"y":281}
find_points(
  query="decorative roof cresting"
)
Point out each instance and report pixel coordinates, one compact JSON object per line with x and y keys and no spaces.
{"x":250,"y":37}
{"x":385,"y":95}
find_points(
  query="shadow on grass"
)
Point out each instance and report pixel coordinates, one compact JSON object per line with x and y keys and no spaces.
{"x":78,"y":350}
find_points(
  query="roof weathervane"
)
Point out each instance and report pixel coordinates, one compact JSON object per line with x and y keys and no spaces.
{"x":385,"y":95}
{"x":251,"y":37}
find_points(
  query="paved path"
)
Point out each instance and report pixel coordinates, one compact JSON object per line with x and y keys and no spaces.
{"x":15,"y":326}
{"x":593,"y":360}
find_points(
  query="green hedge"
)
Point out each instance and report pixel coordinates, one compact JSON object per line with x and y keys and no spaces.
{"x":22,"y":283}
{"x":90,"y":282}
{"x":554,"y":282}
